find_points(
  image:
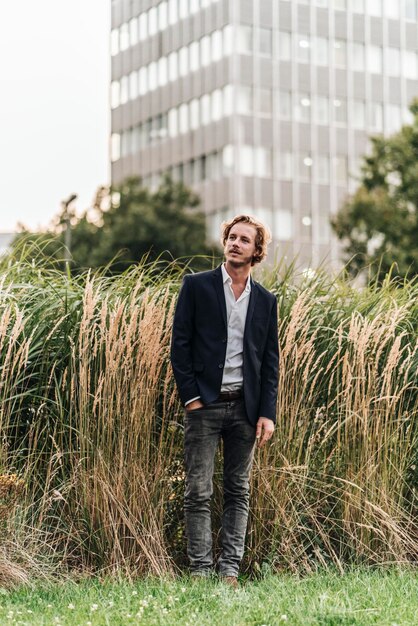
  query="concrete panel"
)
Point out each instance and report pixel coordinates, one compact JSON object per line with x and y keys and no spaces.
{"x":394,"y":34}
{"x":376,"y":31}
{"x":341,"y":83}
{"x":358,"y":28}
{"x":303,"y":19}
{"x":322,"y":77}
{"x":359,"y":85}
{"x":323,"y":139}
{"x":285,"y":137}
{"x":266,"y":14}
{"x":395,"y":90}
{"x":266,"y":133}
{"x":304,"y":138}
{"x":411,"y":90}
{"x":285,"y":15}
{"x":360,"y":142}
{"x":284,"y":68}
{"x":323,"y":199}
{"x":411,"y":36}
{"x":286,"y":195}
{"x":340,"y":25}
{"x":246,"y":12}
{"x":322,"y":22}
{"x":304,"y":78}
{"x":341,"y":145}
{"x":376,"y":87}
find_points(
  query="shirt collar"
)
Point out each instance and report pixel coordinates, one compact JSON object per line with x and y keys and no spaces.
{"x":227,"y":279}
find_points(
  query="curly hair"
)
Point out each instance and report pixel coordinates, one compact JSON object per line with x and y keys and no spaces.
{"x":262,"y":237}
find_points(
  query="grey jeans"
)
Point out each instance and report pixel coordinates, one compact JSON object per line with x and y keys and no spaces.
{"x":203,"y":429}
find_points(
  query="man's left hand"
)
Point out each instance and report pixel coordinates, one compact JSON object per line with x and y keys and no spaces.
{"x":264,"y":431}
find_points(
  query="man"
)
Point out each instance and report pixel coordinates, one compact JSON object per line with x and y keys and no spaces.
{"x":225,"y":357}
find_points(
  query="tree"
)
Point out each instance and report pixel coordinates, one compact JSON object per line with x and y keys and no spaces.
{"x":131,"y":223}
{"x":379,"y":224}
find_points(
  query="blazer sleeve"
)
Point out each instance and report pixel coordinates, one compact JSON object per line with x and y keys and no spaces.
{"x":270,"y":369}
{"x":181,"y":342}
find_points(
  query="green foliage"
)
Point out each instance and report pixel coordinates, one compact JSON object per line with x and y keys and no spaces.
{"x":379,"y":224}
{"x":131,"y":223}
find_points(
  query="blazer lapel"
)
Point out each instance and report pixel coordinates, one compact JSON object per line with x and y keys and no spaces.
{"x":219,"y":288}
{"x":251,"y":306}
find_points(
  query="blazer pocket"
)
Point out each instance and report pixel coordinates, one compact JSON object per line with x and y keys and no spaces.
{"x":198,"y":367}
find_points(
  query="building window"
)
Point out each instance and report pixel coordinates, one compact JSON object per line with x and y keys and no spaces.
{"x":283,"y":46}
{"x":152,"y":21}
{"x":244,"y":100}
{"x":216,"y":45}
{"x":115,"y":147}
{"x":194,"y":56}
{"x":143,"y":81}
{"x":282,"y":224}
{"x":264,"y":42}
{"x":194,"y":114}
{"x":227,"y":161}
{"x":376,"y":116}
{"x":358,"y":57}
{"x":303,"y":108}
{"x":374,"y":7}
{"x":162,"y":71}
{"x":183,"y":61}
{"x":173,"y":123}
{"x":393,"y":121}
{"x":340,"y":53}
{"x":173,"y":15}
{"x":115,"y":94}
{"x":340,"y":110}
{"x":183,"y":118}
{"x":124,"y":37}
{"x":114,"y":42}
{"x":228,"y":100}
{"x":205,"y":57}
{"x":228,"y":39}
{"x":303,"y":48}
{"x":183,"y":8}
{"x":133,"y":85}
{"x":341,"y":170}
{"x":124,"y":89}
{"x":357,"y":6}
{"x":263,"y":104}
{"x":359,"y":114}
{"x":284,"y":105}
{"x":320,"y":50}
{"x":152,"y":76}
{"x":262,"y":162}
{"x":133,"y":31}
{"x":410,"y":64}
{"x":143,"y":26}
{"x":322,"y":169}
{"x":172,"y":66}
{"x":205,"y":109}
{"x":244,"y":39}
{"x":374,"y":59}
{"x":321,"y":110}
{"x":162,"y":15}
{"x":392,"y":9}
{"x":284,"y":165}
{"x":245,"y":160}
{"x":305,"y":167}
{"x":411,"y":10}
{"x":216,"y":105}
{"x":393,"y":61}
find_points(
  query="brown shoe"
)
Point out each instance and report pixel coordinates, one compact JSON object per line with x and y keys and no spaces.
{"x":231,"y":581}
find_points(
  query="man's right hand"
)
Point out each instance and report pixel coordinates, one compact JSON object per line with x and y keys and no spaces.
{"x":196,"y":404}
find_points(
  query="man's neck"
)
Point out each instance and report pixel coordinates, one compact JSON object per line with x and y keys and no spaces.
{"x":239,"y":275}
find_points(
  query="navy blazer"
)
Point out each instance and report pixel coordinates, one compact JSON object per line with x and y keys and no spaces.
{"x":199,"y":338}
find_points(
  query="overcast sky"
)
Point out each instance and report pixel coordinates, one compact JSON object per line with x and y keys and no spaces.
{"x":54,"y":113}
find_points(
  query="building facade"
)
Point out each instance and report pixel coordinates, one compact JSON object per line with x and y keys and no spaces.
{"x":262,"y":106}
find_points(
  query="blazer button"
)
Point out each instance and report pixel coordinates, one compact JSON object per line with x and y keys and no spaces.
{"x":220,"y":365}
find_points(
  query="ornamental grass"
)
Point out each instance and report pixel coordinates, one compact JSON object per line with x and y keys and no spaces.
{"x":90,"y":421}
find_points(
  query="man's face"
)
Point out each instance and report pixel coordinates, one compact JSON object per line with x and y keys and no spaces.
{"x":240,"y":246}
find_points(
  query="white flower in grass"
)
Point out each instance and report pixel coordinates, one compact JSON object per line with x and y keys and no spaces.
{"x":71,"y":606}
{"x":94,"y":607}
{"x":183,"y":590}
{"x":134,"y":593}
{"x":283,"y":618}
{"x":144,"y":603}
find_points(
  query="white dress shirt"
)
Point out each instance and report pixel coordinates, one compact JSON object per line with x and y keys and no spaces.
{"x":236,"y":314}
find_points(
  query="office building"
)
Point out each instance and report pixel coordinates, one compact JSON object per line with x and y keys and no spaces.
{"x":261,"y":106}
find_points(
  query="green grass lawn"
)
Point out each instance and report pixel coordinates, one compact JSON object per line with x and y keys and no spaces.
{"x":357,"y":598}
